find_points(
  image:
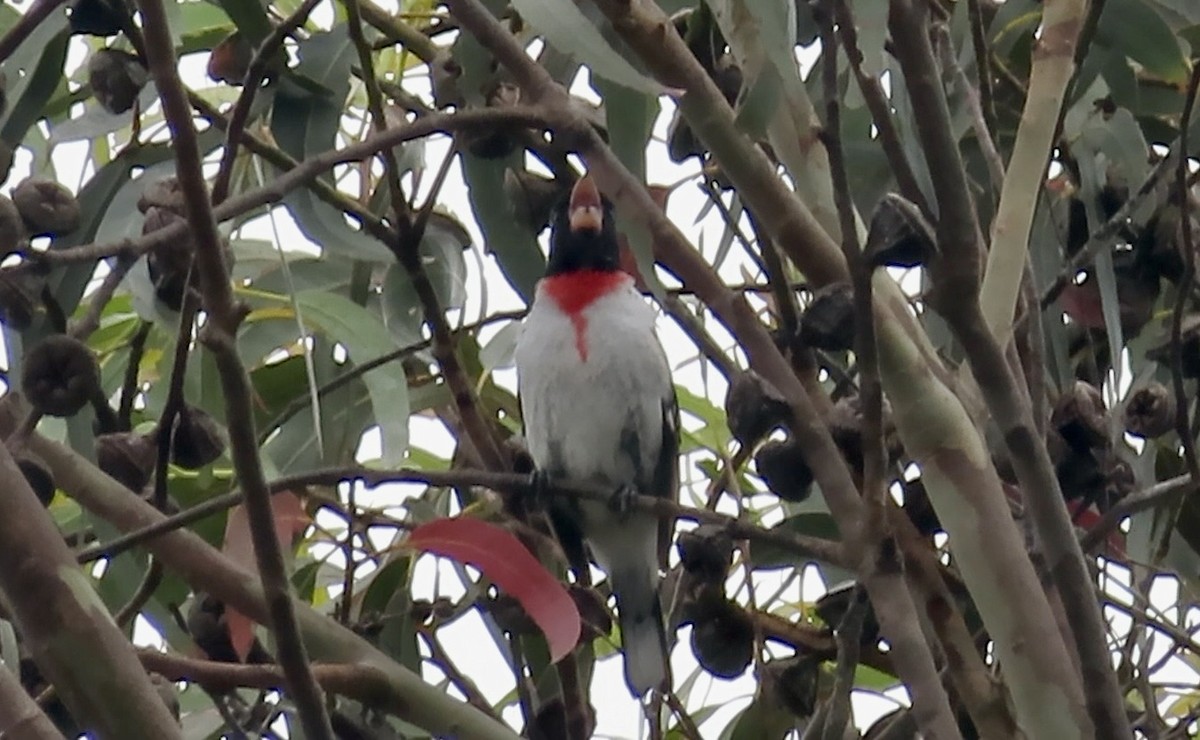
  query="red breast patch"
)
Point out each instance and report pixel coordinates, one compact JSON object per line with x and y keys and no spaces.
{"x":575,"y":291}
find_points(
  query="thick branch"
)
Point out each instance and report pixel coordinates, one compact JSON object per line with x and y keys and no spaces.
{"x":956,"y":282}
{"x":1053,"y":67}
{"x":65,"y":625}
{"x":20,"y":716}
{"x":206,"y":569}
{"x":304,"y":173}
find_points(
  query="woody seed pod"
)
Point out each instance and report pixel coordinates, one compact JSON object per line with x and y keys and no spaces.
{"x":60,"y":376}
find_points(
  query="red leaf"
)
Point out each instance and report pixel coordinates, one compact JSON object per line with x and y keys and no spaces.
{"x":1082,"y":304}
{"x":505,"y":561}
{"x":290,"y":519}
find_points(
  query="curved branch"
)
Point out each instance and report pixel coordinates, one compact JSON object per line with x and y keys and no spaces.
{"x":304,"y":173}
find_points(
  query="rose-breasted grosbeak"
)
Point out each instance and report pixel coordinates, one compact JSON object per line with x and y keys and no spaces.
{"x":599,"y":406}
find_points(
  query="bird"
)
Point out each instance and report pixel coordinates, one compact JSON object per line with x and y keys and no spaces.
{"x":599,"y":406}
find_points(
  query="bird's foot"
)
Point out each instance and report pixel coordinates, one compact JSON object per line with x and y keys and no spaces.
{"x":622,"y":500}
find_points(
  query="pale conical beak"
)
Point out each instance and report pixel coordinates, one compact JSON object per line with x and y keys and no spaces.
{"x":585,"y":212}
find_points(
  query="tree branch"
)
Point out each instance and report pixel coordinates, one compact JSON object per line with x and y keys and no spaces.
{"x":66,"y":627}
{"x":956,"y":285}
{"x":224,"y":316}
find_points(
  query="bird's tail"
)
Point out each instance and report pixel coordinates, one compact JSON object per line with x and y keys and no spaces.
{"x":643,"y":636}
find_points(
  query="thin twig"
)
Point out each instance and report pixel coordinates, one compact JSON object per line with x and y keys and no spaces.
{"x":879,"y":561}
{"x":83,"y":327}
{"x":440,"y":658}
{"x":302,"y":174}
{"x":145,"y":590}
{"x":881,"y":112}
{"x":506,"y":483}
{"x":1182,"y":423}
{"x":1102,"y":237}
{"x":173,"y":405}
{"x":408,"y":253}
{"x":224,"y":317}
{"x":849,"y":642}
{"x":129,"y":386}
{"x":255,"y":74}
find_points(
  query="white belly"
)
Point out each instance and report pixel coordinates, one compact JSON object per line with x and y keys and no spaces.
{"x":599,"y":418}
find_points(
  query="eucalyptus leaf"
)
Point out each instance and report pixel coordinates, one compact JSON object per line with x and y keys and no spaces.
{"x":566,"y":28}
{"x":512,"y":242}
{"x":365,"y":338}
{"x":33,"y":73}
{"x":1136,"y":28}
{"x":305,"y":121}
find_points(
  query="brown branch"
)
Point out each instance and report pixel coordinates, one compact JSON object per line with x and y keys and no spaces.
{"x":275,"y":156}
{"x":206,"y":569}
{"x":506,"y":483}
{"x":149,"y":584}
{"x":224,"y":317}
{"x":881,"y":112}
{"x":440,"y":658}
{"x":1160,"y":493}
{"x":20,"y":716}
{"x":304,"y":173}
{"x":1103,"y":237}
{"x":358,"y":682}
{"x":956,"y":294}
{"x":407,"y":249}
{"x":649,"y":32}
{"x":1182,"y":423}
{"x":983,"y":65}
{"x":878,"y":555}
{"x":255,"y":74}
{"x":83,"y":327}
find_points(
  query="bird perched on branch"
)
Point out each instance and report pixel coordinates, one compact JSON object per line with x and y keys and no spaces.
{"x":599,"y":406}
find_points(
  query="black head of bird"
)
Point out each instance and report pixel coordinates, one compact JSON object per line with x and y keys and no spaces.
{"x":583,"y":235}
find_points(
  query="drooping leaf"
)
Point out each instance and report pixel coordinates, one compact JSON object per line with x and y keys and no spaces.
{"x":765,"y":717}
{"x":568,"y":29}
{"x":512,"y":242}
{"x":40,"y":58}
{"x":442,"y":256}
{"x":365,"y":338}
{"x":290,"y":519}
{"x":305,"y":121}
{"x":506,"y":562}
{"x":250,"y":16}
{"x":1136,"y":28}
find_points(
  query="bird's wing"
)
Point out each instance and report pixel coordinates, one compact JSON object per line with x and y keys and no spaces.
{"x":666,"y":472}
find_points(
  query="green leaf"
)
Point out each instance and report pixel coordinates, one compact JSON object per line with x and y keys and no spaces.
{"x":764,"y":718}
{"x":441,"y":251}
{"x":512,"y":242}
{"x":387,"y":597}
{"x":347,"y":412}
{"x":811,"y":524}
{"x":630,"y":115}
{"x":202,"y":25}
{"x":569,"y":30}
{"x":250,"y":16}
{"x":365,"y":338}
{"x":1136,"y":29}
{"x":498,"y":352}
{"x":305,"y":121}
{"x":34,"y":72}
